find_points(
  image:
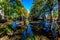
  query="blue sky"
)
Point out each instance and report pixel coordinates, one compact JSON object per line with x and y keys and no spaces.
{"x":27,"y":4}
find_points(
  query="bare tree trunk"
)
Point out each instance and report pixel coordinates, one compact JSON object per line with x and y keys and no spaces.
{"x":51,"y":20}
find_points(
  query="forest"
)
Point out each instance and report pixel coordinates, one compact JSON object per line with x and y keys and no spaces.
{"x":41,"y":23}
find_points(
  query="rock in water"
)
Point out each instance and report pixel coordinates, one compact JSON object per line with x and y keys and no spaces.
{"x":43,"y":38}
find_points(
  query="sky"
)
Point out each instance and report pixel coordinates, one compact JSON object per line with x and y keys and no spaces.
{"x":27,"y":4}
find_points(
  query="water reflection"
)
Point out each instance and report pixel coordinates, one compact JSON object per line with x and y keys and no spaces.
{"x":47,"y":26}
{"x":27,"y":33}
{"x":14,"y":25}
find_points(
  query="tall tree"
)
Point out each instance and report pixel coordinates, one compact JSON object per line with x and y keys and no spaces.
{"x":38,"y":8}
{"x":12,"y":8}
{"x":45,"y":9}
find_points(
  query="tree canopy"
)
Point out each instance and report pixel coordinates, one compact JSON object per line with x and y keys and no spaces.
{"x":43,"y":7}
{"x":12,"y":8}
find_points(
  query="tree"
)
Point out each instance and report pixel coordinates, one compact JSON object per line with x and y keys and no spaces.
{"x":44,"y":7}
{"x":38,"y":8}
{"x":13,"y":9}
